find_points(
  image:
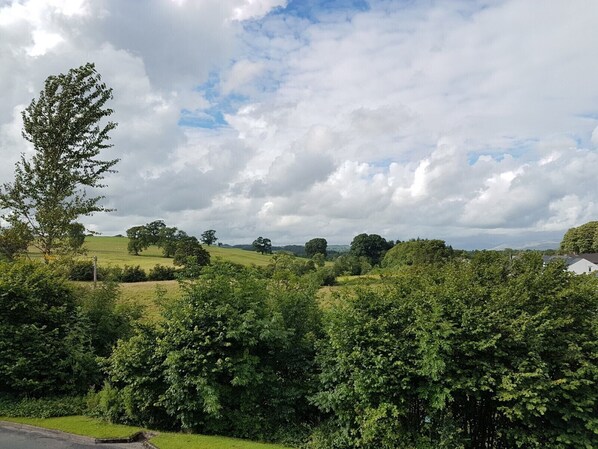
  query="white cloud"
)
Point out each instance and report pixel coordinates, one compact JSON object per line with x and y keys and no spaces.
{"x":455,"y":120}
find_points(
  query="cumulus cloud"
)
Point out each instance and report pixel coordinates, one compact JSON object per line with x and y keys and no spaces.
{"x":470,"y":121}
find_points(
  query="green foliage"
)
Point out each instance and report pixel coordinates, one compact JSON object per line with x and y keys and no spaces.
{"x":108,"y":320}
{"x":41,"y":407}
{"x":80,"y":270}
{"x":372,"y":247}
{"x":352,"y":265}
{"x":14,"y":240}
{"x":316,"y":246}
{"x":43,"y":342}
{"x":232,"y":356}
{"x":583,"y":239}
{"x":190,"y":248}
{"x":418,"y":252}
{"x":262,"y":245}
{"x":288,"y":267}
{"x":162,"y":273}
{"x":64,"y":125}
{"x":133,"y":274}
{"x":482,"y":354}
{"x":138,"y":239}
{"x":209,"y":237}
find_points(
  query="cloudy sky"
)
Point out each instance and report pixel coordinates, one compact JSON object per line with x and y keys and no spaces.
{"x":471,"y":121}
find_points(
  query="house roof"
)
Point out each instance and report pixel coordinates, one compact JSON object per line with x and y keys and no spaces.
{"x":592,"y":257}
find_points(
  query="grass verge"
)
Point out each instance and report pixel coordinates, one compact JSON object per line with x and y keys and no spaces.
{"x":190,"y":441}
{"x":79,"y":425}
{"x":94,"y":428}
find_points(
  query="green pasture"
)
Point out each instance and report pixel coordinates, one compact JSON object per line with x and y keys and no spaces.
{"x":113,"y":251}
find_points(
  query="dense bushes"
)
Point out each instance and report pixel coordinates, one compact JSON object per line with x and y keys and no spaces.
{"x":44,"y":349}
{"x":232,"y":356}
{"x":488,"y":353}
{"x":47,"y":407}
{"x":82,"y":270}
{"x":485,"y":354}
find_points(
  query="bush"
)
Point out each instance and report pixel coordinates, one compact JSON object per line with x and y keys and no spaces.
{"x":133,"y":274}
{"x":42,"y":407}
{"x":43,"y":341}
{"x":232,"y":356}
{"x":107,"y":319}
{"x":81,"y":270}
{"x":162,"y":273}
{"x":491,"y":353}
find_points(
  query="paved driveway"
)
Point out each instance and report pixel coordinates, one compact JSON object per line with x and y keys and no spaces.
{"x":15,"y":438}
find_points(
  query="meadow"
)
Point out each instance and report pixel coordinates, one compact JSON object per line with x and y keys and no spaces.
{"x":113,"y":251}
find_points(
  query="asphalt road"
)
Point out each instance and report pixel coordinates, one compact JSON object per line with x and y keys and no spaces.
{"x":12,"y":438}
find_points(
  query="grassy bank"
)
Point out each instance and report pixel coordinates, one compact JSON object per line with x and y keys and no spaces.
{"x":94,"y":428}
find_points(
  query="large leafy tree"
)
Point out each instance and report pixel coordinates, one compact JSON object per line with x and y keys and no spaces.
{"x":209,"y":237}
{"x":583,"y":239}
{"x":372,"y":246}
{"x":68,"y":129}
{"x":316,"y":246}
{"x":263,"y":245}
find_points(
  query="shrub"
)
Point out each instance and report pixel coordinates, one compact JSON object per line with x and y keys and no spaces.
{"x":133,"y":274}
{"x":232,"y":356}
{"x":162,"y":273}
{"x":81,"y":270}
{"x":490,"y":354}
{"x":41,"y":407}
{"x":43,"y":342}
{"x":107,"y":319}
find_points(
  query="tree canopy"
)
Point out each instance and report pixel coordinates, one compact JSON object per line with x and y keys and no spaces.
{"x":262,"y":245}
{"x":583,"y":239}
{"x":418,"y":252}
{"x":209,"y":237}
{"x":67,"y":128}
{"x":316,"y":246}
{"x":372,"y":247}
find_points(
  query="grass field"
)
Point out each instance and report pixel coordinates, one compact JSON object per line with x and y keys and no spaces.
{"x":113,"y":251}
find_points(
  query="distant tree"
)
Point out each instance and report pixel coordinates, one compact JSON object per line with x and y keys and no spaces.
{"x":14,"y":240}
{"x":189,"y":247}
{"x":209,"y":237}
{"x":372,"y":247}
{"x":50,"y":189}
{"x":316,"y":246}
{"x":418,"y":252}
{"x":76,"y":236}
{"x":138,"y":239}
{"x":168,"y":239}
{"x":154,"y":231}
{"x":583,"y":239}
{"x":263,"y":245}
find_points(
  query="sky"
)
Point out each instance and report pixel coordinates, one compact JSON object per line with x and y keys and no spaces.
{"x":475,"y":122}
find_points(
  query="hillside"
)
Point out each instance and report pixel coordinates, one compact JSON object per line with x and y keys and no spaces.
{"x":113,"y":251}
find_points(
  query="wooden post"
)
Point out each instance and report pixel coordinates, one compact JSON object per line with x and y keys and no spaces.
{"x":95,"y":271}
